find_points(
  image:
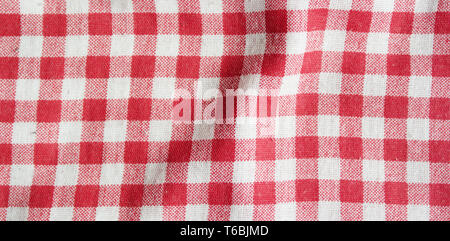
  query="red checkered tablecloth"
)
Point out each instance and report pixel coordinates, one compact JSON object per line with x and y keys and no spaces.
{"x":352,"y":119}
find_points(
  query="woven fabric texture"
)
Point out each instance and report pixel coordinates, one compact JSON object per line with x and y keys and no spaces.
{"x":117,"y":110}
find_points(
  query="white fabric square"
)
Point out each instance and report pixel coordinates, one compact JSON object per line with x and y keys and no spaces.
{"x":421,"y":44}
{"x":246,"y":127}
{"x":61,"y":214}
{"x":199,"y":172}
{"x":285,"y":211}
{"x":17,"y":214}
{"x":167,"y":45}
{"x":244,"y":172}
{"x":73,"y":89}
{"x":296,"y":42}
{"x":285,"y":126}
{"x":254,"y":5}
{"x":373,"y":127}
{"x":24,"y":133}
{"x":107,"y":214}
{"x":152,"y":213}
{"x":203,"y":132}
{"x":374,"y":212}
{"x":289,"y":86}
{"x":377,"y":43}
{"x":285,"y":170}
{"x":155,"y":173}
{"x":425,"y":6}
{"x":328,"y":125}
{"x":160,"y":130}
{"x":250,"y":83}
{"x":27,"y":89}
{"x":77,"y":45}
{"x":212,"y":45}
{"x":241,"y":213}
{"x":205,"y":85}
{"x":77,"y":6}
{"x":211,"y":6}
{"x":197,"y":212}
{"x":375,"y":85}
{"x":66,"y":175}
{"x":163,"y":88}
{"x":115,"y":131}
{"x":418,"y":129}
{"x":418,"y":213}
{"x":418,"y":172}
{"x":122,"y":45}
{"x":341,"y":4}
{"x":383,"y":5}
{"x":330,"y":83}
{"x":334,"y":40}
{"x":112,"y":174}
{"x":255,"y":44}
{"x":31,"y":46}
{"x":297,"y":5}
{"x":121,"y":6}
{"x":329,"y":169}
{"x":166,"y":6}
{"x":329,"y":211}
{"x":70,"y":132}
{"x":21,"y":175}
{"x":119,"y":88}
{"x":31,"y":6}
{"x":373,"y":170}
{"x":420,"y":86}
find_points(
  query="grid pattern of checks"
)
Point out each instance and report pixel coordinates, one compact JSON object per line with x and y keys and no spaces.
{"x":362,"y":130}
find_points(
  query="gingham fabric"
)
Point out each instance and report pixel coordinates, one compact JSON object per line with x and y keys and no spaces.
{"x":361,"y":128}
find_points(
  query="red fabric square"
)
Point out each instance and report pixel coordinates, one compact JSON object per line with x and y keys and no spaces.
{"x":396,"y":193}
{"x":9,"y":68}
{"x":402,"y":22}
{"x":54,"y":25}
{"x":136,"y":152}
{"x":131,"y":195}
{"x":143,"y":66}
{"x":265,"y":149}
{"x":41,"y":196}
{"x":139,"y":109}
{"x":189,"y":67}
{"x":441,"y":25}
{"x":52,"y":68}
{"x":220,"y":194}
{"x":190,"y":24}
{"x":175,"y":194}
{"x":97,"y":67}
{"x":5,"y":154}
{"x":307,"y":147}
{"x":440,"y":108}
{"x":395,"y":107}
{"x":354,"y":63}
{"x":49,"y":111}
{"x":351,"y":105}
{"x":274,"y":65}
{"x":94,"y":110}
{"x":276,"y":21}
{"x":4,"y":196}
{"x":86,"y":196}
{"x":351,"y":191}
{"x":395,"y":150}
{"x":399,"y":65}
{"x":11,"y":25}
{"x":91,"y":153}
{"x":440,"y":195}
{"x":100,"y":24}
{"x":440,"y":152}
{"x":350,"y":148}
{"x":441,"y":65}
{"x":8,"y":110}
{"x":145,"y":23}
{"x":231,"y":66}
{"x":264,"y":193}
{"x":359,"y":21}
{"x":307,"y":104}
{"x":179,"y":151}
{"x":234,"y":23}
{"x":45,"y":154}
{"x":223,"y":150}
{"x":317,"y":19}
{"x":312,"y":62}
{"x":307,"y":190}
